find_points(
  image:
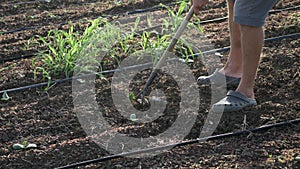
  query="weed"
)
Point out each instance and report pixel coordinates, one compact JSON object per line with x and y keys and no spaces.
{"x":25,"y":145}
{"x":270,"y":156}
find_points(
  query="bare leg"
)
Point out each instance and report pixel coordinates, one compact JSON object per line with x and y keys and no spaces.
{"x":252,"y":42}
{"x":233,"y":66}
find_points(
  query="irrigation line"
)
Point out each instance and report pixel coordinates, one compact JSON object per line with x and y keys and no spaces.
{"x":202,"y":22}
{"x":196,"y":23}
{"x":138,"y":11}
{"x":225,"y":49}
{"x":104,"y":16}
{"x":277,"y":38}
{"x":296,"y":35}
{"x":180,"y":144}
{"x":16,"y":58}
{"x":29,"y":2}
{"x":32,"y":28}
{"x":49,"y":1}
{"x":284,"y":9}
{"x":74,"y":78}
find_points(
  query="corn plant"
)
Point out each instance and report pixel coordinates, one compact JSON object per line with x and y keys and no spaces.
{"x":127,"y":39}
{"x":150,"y":41}
{"x":63,"y":48}
{"x":145,"y":40}
{"x":102,"y":43}
{"x":175,"y":17}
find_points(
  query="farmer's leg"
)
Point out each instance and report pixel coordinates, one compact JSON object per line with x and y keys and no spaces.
{"x":252,"y":41}
{"x":251,"y":15}
{"x":233,"y":66}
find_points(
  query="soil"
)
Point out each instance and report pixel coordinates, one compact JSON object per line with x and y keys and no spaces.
{"x":48,"y":118}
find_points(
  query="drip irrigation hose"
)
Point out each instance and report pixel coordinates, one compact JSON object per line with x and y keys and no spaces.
{"x":105,"y":16}
{"x":138,"y":11}
{"x":296,"y":35}
{"x":129,"y":13}
{"x":29,"y":2}
{"x":16,"y":58}
{"x":49,"y":1}
{"x":267,"y":40}
{"x":202,"y":22}
{"x":284,"y":9}
{"x":179,"y":144}
{"x":31,"y":28}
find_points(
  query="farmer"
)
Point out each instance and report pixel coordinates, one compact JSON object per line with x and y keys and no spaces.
{"x":246,"y":20}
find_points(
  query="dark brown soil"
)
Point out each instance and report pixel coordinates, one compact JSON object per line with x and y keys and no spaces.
{"x":47,"y":118}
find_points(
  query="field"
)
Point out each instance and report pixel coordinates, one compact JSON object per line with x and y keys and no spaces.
{"x":37,"y":103}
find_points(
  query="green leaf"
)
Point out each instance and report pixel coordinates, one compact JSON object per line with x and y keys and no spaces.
{"x":25,"y":143}
{"x":17,"y":146}
{"x":31,"y":146}
{"x":132,"y":96}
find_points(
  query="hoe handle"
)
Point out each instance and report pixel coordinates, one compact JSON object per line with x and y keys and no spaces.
{"x":175,"y":38}
{"x":168,"y":51}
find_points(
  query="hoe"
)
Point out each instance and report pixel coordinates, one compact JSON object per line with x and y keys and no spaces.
{"x":167,"y":52}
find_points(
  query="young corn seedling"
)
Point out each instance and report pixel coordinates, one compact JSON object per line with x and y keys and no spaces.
{"x":145,"y":40}
{"x":45,"y":75}
{"x":182,"y":48}
{"x":63,"y":48}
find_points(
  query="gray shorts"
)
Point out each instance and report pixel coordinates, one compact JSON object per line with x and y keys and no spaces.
{"x":252,"y":12}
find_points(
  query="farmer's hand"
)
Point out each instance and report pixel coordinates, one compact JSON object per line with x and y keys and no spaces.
{"x":198,"y":4}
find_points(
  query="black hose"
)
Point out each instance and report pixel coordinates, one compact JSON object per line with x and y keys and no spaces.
{"x":129,"y":13}
{"x":296,"y":35}
{"x":105,"y":16}
{"x":179,"y":144}
{"x":272,"y":39}
{"x":207,"y":21}
{"x":16,"y":58}
{"x":29,"y":2}
{"x":142,"y":11}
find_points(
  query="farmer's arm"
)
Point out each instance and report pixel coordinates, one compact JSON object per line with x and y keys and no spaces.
{"x":198,"y":4}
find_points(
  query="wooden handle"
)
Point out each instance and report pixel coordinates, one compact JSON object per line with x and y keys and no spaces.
{"x":168,"y":51}
{"x":175,"y":38}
